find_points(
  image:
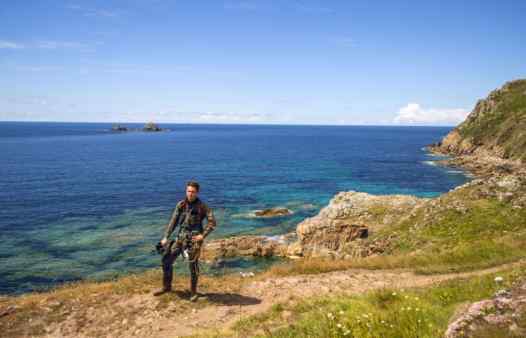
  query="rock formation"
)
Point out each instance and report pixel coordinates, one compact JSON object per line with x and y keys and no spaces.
{"x":273,"y":212}
{"x":118,"y":127}
{"x":493,"y":134}
{"x":350,"y":216}
{"x":257,"y":246}
{"x":501,"y":316}
{"x":150,"y":126}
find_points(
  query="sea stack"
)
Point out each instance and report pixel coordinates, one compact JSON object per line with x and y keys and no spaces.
{"x":150,"y":126}
{"x":118,"y":127}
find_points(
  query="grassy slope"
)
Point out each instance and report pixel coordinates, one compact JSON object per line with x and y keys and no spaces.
{"x":419,"y":312}
{"x":505,"y":125}
{"x":463,"y":230}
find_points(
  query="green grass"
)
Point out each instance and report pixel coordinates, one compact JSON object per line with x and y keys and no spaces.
{"x":423,"y":312}
{"x":504,"y":125}
{"x":484,"y":233}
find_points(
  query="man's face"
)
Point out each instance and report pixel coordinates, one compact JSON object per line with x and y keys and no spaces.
{"x":191,"y":193}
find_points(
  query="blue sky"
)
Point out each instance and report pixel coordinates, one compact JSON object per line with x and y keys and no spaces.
{"x":286,"y":62}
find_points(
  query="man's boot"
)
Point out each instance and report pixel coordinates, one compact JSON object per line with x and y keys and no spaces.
{"x":167,"y":283}
{"x":193,"y":288}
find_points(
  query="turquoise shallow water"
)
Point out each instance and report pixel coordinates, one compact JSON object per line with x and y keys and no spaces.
{"x":79,"y":201}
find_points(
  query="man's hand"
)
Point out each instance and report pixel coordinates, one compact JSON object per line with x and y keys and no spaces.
{"x":198,"y":238}
{"x":163,"y":241}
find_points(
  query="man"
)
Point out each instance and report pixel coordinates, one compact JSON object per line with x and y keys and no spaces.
{"x":189,"y":214}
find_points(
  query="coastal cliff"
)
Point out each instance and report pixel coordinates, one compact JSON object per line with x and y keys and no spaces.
{"x":493,"y":136}
{"x":490,"y":144}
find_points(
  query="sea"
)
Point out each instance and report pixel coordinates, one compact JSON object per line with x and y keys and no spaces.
{"x":79,"y":201}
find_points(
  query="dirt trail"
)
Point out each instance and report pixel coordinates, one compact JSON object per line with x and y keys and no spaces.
{"x":222,"y":309}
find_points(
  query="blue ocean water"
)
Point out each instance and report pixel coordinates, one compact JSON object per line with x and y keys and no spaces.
{"x":79,"y":201}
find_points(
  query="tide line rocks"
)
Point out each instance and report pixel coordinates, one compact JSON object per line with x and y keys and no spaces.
{"x":273,"y":212}
{"x":350,"y":217}
{"x":256,"y":246}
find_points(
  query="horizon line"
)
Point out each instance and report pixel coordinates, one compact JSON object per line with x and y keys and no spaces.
{"x":241,"y":124}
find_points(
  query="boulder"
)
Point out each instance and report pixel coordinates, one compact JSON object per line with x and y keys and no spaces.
{"x":273,"y":212}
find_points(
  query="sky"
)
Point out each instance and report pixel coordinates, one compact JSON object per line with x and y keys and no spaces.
{"x":264,"y":62}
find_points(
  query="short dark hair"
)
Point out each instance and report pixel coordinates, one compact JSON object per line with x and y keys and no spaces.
{"x":193,"y":184}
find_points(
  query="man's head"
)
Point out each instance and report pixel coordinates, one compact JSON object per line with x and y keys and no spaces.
{"x":192,"y":190}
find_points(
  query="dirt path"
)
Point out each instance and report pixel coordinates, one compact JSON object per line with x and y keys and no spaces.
{"x":221,"y":310}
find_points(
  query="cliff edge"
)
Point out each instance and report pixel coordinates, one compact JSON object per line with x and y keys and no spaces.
{"x":497,"y":125}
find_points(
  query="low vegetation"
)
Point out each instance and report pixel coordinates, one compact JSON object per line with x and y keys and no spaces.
{"x":422,"y":312}
{"x":502,"y":122}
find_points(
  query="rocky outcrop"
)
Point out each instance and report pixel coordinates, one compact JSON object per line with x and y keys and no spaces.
{"x":273,"y":212}
{"x":150,"y":126}
{"x":338,"y":231}
{"x":119,"y":127}
{"x":256,"y":246}
{"x":495,"y":128}
{"x":350,"y":217}
{"x":504,"y":315}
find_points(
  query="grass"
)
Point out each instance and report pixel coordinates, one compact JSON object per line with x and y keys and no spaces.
{"x":422,"y":312}
{"x":504,"y":124}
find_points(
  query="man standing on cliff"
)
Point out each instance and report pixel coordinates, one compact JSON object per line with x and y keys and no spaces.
{"x":189,"y":214}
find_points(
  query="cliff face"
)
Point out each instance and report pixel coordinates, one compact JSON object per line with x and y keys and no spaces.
{"x":496,"y":126}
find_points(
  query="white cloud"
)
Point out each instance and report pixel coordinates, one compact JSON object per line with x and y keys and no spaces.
{"x":232,"y":117}
{"x":413,"y":113}
{"x":10,"y":45}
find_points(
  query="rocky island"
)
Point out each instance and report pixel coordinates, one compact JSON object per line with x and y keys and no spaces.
{"x":148,"y":127}
{"x":365,"y":266}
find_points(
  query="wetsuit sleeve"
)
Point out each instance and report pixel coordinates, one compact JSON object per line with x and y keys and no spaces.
{"x":211,"y":221}
{"x":174,"y":221}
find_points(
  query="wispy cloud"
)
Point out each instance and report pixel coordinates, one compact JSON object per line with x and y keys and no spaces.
{"x":232,"y":117}
{"x":343,"y":41}
{"x":94,"y":12}
{"x":307,"y":7}
{"x":10,"y":45}
{"x":298,"y":6}
{"x":413,"y":113}
{"x":242,"y":5}
{"x":48,"y":44}
{"x":37,"y":68}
